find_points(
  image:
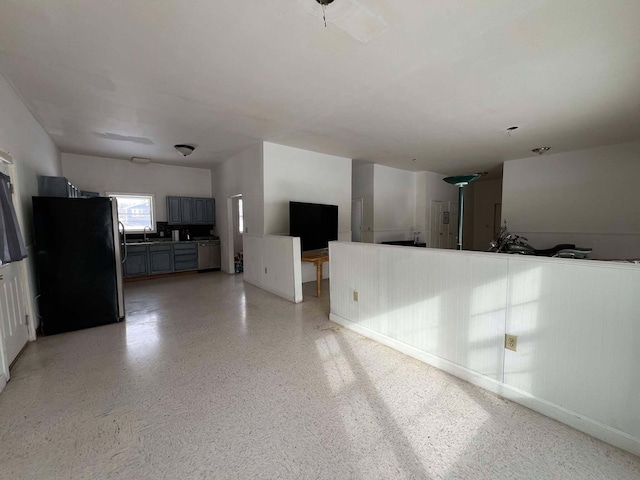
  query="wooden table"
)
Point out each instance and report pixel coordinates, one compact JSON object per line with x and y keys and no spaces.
{"x":318,"y":258}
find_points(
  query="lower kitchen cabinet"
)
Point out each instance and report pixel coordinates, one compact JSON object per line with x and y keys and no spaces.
{"x":137,"y":262}
{"x":185,"y":256}
{"x":160,"y":259}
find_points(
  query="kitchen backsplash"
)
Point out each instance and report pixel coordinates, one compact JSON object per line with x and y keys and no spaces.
{"x":163,"y":230}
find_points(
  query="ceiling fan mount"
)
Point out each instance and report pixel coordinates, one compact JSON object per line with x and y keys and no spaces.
{"x":324,"y":2}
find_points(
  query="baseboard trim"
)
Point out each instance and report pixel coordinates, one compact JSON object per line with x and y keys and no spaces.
{"x":575,"y":420}
{"x":273,"y":290}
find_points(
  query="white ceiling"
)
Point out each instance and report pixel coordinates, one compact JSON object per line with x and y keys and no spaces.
{"x":441,"y":84}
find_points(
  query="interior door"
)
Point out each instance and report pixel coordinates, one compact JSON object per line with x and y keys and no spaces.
{"x":13,"y":321}
{"x":436,"y":237}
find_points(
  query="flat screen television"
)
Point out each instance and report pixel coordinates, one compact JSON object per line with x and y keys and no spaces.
{"x":314,"y":223}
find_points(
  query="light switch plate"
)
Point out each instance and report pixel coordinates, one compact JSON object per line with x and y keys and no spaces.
{"x":355,"y":296}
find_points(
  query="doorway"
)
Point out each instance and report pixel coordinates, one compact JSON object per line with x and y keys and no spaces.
{"x":235,"y":222}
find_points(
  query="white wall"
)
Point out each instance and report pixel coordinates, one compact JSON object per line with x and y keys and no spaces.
{"x":588,"y":197}
{"x":430,"y":186}
{"x":394,"y":204}
{"x":241,"y":174}
{"x":576,"y":323}
{"x":486,"y":194}
{"x":100,"y":174}
{"x":34,"y":154}
{"x":292,"y":174}
{"x":362,"y":187}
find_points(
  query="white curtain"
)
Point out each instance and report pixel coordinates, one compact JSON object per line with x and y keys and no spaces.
{"x":12,"y":247}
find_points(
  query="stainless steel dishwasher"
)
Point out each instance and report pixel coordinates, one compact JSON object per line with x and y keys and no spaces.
{"x":209,"y":255}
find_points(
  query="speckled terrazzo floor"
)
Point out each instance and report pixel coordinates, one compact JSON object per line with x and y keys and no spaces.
{"x":213,"y":378}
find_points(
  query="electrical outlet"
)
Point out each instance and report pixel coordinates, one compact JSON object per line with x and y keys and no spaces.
{"x":511,"y":342}
{"x":355,"y":296}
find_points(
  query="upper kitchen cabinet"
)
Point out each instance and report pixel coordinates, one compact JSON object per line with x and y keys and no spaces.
{"x":186,"y":210}
{"x":190,"y":211}
{"x":203,"y":211}
{"x":57,"y":187}
{"x":174,"y":217}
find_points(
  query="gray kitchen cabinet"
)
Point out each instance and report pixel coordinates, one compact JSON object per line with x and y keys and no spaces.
{"x":174,"y":215}
{"x":190,"y":211}
{"x":137,"y":262}
{"x":199,"y":211}
{"x":185,"y":256}
{"x":160,"y":259}
{"x":186,"y":210}
{"x":209,"y":211}
{"x":57,"y":187}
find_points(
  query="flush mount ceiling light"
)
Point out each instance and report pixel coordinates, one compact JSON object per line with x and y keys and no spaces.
{"x":184,"y":149}
{"x":540,"y":150}
{"x":351,"y":16}
{"x":140,"y":160}
{"x":5,"y":158}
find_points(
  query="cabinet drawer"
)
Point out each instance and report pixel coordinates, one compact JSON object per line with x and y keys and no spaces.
{"x":136,"y":249}
{"x":185,"y":248}
{"x":181,"y":265}
{"x":160,"y":248}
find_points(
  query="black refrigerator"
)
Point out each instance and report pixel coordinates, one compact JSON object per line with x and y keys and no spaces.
{"x":78,"y":262}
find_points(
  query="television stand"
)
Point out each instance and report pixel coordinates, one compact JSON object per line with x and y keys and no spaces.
{"x":318,"y":258}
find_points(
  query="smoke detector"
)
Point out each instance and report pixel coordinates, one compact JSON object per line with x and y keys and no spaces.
{"x":184,"y":149}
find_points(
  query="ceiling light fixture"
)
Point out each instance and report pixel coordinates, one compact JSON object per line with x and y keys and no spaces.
{"x":140,"y":160}
{"x":324,"y":4}
{"x":540,"y":150}
{"x":184,"y":149}
{"x":510,"y":130}
{"x":461,"y":181}
{"x":6,"y":158}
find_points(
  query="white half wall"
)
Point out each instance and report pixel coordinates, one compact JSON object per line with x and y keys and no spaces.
{"x":273,"y":263}
{"x":293,"y":174}
{"x":576,"y":323}
{"x":100,"y":174}
{"x":586,"y":197}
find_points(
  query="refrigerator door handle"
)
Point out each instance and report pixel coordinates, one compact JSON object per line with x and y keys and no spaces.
{"x":124,"y":241}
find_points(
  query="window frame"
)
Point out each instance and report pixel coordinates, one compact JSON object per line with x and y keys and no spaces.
{"x":240,"y":216}
{"x":152,"y":212}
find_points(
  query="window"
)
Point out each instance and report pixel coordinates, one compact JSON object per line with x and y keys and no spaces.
{"x":136,"y":211}
{"x":240,"y":216}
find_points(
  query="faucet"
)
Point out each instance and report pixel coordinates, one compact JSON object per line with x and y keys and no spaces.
{"x":144,"y":232}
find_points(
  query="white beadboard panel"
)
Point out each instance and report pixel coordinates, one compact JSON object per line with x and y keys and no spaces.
{"x":578,"y":333}
{"x":273,"y":264}
{"x":577,"y":325}
{"x":253,"y":255}
{"x":449,"y":305}
{"x":443,"y":303}
{"x":354,"y":268}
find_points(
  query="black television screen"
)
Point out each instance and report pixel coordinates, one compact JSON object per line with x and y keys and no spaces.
{"x":314,"y":223}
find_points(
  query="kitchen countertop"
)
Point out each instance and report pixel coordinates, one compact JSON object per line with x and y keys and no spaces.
{"x":156,"y":241}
